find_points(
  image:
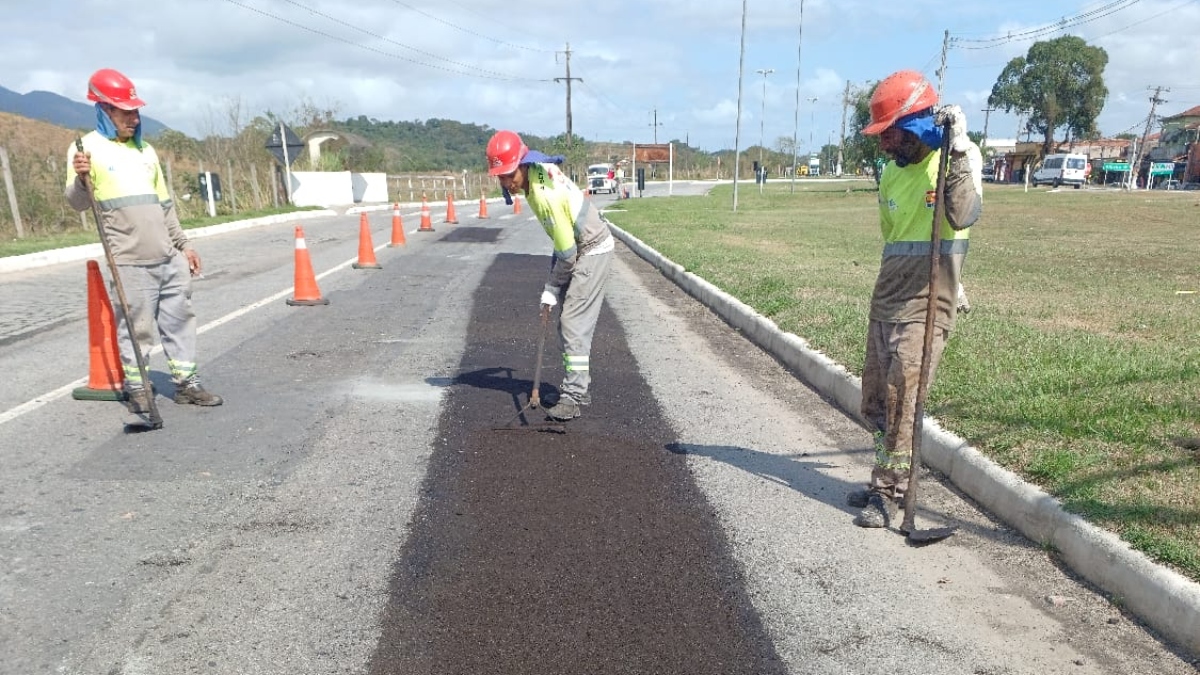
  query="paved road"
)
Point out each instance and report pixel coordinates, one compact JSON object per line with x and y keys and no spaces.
{"x":351,"y":510}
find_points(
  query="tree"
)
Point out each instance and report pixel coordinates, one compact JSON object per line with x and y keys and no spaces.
{"x":1059,"y":83}
{"x":862,"y":150}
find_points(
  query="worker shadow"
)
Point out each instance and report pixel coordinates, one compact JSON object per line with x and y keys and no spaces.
{"x":804,"y":473}
{"x":801,"y":472}
{"x":499,"y":378}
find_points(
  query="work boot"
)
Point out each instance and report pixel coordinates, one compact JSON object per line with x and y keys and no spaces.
{"x":858,"y":498}
{"x":878,"y":512}
{"x":190,"y":392}
{"x":138,"y":400}
{"x":565,"y":409}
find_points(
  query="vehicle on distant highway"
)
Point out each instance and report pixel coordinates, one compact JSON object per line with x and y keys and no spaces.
{"x":602,"y":178}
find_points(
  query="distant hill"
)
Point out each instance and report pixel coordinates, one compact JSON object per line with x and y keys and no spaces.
{"x":62,"y":111}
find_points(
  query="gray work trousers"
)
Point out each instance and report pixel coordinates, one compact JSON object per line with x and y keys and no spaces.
{"x":581,"y":299}
{"x":160,"y":300}
{"x":891,"y":376}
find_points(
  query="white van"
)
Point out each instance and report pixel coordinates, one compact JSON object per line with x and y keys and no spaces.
{"x":1062,"y":169}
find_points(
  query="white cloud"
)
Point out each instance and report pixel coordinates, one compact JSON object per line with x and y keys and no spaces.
{"x":495,"y":65}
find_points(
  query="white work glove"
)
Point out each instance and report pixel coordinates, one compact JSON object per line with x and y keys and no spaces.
{"x":965,"y":155}
{"x":952,"y":114}
{"x":549,"y":299}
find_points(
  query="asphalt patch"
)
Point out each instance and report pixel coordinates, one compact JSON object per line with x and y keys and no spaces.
{"x":471,"y":235}
{"x":591,"y":551}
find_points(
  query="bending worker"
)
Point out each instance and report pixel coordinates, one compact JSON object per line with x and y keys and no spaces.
{"x":151,"y":252}
{"x":910,"y":132}
{"x":583,"y":250}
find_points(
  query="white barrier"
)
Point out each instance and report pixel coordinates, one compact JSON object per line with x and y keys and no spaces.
{"x":338,"y":188}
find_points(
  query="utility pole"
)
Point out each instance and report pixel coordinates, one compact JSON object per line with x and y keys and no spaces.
{"x":842,"y":139}
{"x":568,"y":79}
{"x":656,"y":124}
{"x":1141,"y":152}
{"x":987,"y":113}
{"x":941,"y":73}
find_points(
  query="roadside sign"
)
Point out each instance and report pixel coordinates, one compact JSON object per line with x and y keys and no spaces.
{"x":1162,"y":168}
{"x":1116,"y":166}
{"x":285,"y":145}
{"x":652,"y":152}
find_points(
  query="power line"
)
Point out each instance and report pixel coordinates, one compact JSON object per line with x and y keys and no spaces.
{"x":1065,"y":22}
{"x":472,"y":70}
{"x":1034,"y":33}
{"x":1149,"y":18}
{"x":469,"y":32}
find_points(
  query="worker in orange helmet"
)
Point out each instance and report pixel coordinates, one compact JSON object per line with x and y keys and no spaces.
{"x":583,"y":251}
{"x":905,"y":116}
{"x":152,"y":254}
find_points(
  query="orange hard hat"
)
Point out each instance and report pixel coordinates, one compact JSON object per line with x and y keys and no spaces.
{"x":109,"y":86}
{"x":504,"y":152}
{"x":902,"y":93}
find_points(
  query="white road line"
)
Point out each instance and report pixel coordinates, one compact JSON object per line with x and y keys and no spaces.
{"x":51,"y":396}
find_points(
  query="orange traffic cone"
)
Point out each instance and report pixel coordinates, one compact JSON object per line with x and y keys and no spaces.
{"x":366,"y":248}
{"x":306,"y":292}
{"x":426,"y":223}
{"x":450,"y":216}
{"x":482,"y":207}
{"x":516,"y":204}
{"x":397,"y":228}
{"x":106,"y":378}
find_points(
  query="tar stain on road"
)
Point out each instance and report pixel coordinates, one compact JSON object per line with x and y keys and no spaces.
{"x":587,"y":552}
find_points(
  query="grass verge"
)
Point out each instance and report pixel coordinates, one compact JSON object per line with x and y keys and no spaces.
{"x":1078,"y":366}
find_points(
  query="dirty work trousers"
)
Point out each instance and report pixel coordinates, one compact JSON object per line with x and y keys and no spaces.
{"x":891,"y":374}
{"x":160,"y":300}
{"x":581,"y":299}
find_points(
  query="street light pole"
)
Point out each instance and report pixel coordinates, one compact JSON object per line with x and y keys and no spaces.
{"x":737,"y":133}
{"x":796,"y":119}
{"x":762,"y":126}
{"x":812,"y":122}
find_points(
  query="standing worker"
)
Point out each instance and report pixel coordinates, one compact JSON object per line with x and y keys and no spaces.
{"x":910,"y":131}
{"x":583,"y":250}
{"x":151,"y":252}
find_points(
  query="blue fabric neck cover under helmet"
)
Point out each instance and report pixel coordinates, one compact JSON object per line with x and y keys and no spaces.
{"x":534,"y":157}
{"x":923,"y":125}
{"x":106,"y":128}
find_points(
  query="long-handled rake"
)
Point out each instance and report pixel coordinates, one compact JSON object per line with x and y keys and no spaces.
{"x":908,"y":525}
{"x":153,"y":420}
{"x":535,"y":400}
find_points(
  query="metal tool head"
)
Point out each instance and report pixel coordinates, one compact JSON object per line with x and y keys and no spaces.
{"x":929,"y":536}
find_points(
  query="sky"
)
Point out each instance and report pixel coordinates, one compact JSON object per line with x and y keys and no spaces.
{"x":648,"y":70}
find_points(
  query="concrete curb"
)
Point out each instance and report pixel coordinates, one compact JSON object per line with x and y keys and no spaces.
{"x":1163,"y":598}
{"x":60,"y":255}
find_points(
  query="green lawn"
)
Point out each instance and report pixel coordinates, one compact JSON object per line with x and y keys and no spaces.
{"x":1078,"y":366}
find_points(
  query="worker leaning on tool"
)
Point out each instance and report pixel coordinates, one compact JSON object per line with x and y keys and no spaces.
{"x":910,"y":129}
{"x":583,"y":249}
{"x":148,"y":245}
